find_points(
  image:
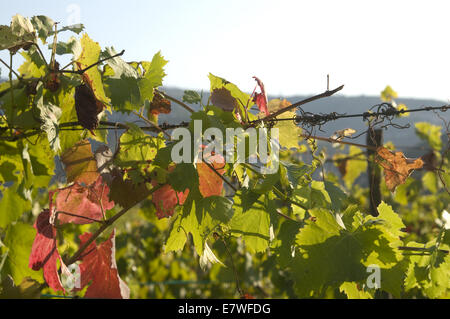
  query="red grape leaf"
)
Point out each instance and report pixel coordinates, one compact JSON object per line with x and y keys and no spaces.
{"x":166,"y":199}
{"x":222,"y":98}
{"x":396,"y":166}
{"x":98,"y":267}
{"x":44,"y":252}
{"x":80,"y":163}
{"x":88,"y":202}
{"x":261,"y":98}
{"x":210,"y":183}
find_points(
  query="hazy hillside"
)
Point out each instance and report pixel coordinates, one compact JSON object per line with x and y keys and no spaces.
{"x":405,"y":139}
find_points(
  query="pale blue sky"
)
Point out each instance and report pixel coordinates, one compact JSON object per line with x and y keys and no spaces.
{"x":290,"y":45}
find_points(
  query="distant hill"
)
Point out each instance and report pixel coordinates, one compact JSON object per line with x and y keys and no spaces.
{"x":405,"y":139}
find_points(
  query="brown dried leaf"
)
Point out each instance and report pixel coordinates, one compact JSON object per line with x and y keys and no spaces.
{"x":222,"y":98}
{"x":160,"y":105}
{"x":396,"y":166}
{"x":87,"y":107}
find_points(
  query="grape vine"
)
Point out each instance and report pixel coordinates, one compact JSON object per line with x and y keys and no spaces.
{"x":98,"y":208}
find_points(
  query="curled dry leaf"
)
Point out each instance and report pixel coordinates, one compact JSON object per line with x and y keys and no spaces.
{"x":340,"y":134}
{"x":430,"y":161}
{"x":87,"y":107}
{"x":222,"y":98}
{"x":260,"y":98}
{"x":396,"y":166}
{"x":160,"y":104}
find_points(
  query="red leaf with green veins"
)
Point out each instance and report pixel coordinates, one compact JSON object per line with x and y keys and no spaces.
{"x":88,"y":203}
{"x":166,"y":199}
{"x":98,"y":268}
{"x":44,"y":252}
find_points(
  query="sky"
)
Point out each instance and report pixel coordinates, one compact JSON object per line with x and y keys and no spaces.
{"x":290,"y":45}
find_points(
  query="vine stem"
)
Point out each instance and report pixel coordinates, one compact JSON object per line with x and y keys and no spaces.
{"x":10,"y":69}
{"x":236,"y":276}
{"x":80,"y":72}
{"x":104,"y":226}
{"x":12,"y":91}
{"x":327,"y":93}
{"x":278,"y":192}
{"x":332,"y":140}
{"x":152,"y":124}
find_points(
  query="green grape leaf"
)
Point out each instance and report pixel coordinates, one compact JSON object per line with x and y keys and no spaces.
{"x":44,"y":26}
{"x":353,"y":291}
{"x":252,"y":223}
{"x":89,"y":55}
{"x":28,"y":289}
{"x":21,"y":26}
{"x":264,"y":185}
{"x":177,"y":237}
{"x":8,"y":172}
{"x":392,"y":222}
{"x":351,"y":165}
{"x":75,"y":28}
{"x":153,"y":76}
{"x":191,"y":97}
{"x":430,"y":133}
{"x":388,"y":94}
{"x":12,"y":205}
{"x":218,"y":207}
{"x":336,"y":194}
{"x":184,"y":176}
{"x":123,"y":85}
{"x":285,"y":240}
{"x":329,"y":255}
{"x":288,"y":132}
{"x":137,"y":151}
{"x":124,"y":93}
{"x":68,"y":138}
{"x":119,"y":66}
{"x":428,"y":272}
{"x":430,"y":181}
{"x":72,"y":46}
{"x":311,"y":196}
{"x":126,"y":193}
{"x":295,"y":172}
{"x":34,"y":66}
{"x":50,"y":115}
{"x":19,"y":240}
{"x":194,"y":221}
{"x":13,"y":42}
